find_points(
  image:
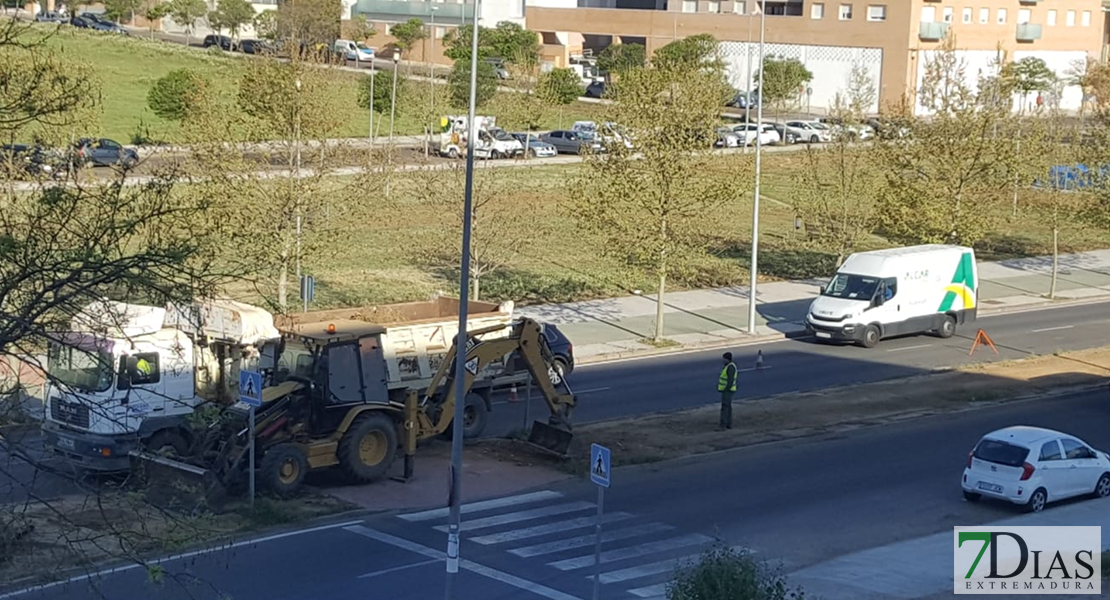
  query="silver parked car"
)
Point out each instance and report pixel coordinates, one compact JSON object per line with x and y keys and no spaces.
{"x":573,"y":142}
{"x":810,"y":131}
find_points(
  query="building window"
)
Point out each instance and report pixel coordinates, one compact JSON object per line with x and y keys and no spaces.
{"x":967,"y":16}
{"x":1002,"y":16}
{"x":689,"y":6}
{"x":984,"y":16}
{"x":1052,"y":18}
{"x":440,"y":32}
{"x":845,"y":12}
{"x":1086,"y":18}
{"x":1069,"y":20}
{"x":739,"y":8}
{"x":1023,"y":16}
{"x":817,"y":11}
{"x":714,"y":6}
{"x":928,"y":14}
{"x":948,"y":14}
{"x":876,"y":12}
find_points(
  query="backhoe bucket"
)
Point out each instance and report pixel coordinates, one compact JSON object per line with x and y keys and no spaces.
{"x":170,"y":483}
{"x":550,"y":437}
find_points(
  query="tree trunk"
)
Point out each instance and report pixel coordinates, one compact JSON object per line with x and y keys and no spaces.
{"x":477,"y":287}
{"x":283,"y":281}
{"x":659,"y":305}
{"x":1055,"y":257}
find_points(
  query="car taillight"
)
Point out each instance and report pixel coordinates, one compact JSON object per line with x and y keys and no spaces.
{"x":970,"y":455}
{"x":1027,"y":471}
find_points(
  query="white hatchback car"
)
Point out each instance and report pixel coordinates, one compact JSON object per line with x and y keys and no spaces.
{"x":1031,"y":466}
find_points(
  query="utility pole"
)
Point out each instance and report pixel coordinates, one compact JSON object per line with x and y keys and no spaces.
{"x":373,"y":76}
{"x":455,"y":492}
{"x":748,"y":92}
{"x":758,"y":155}
{"x":297,"y":176}
{"x":431,"y":82}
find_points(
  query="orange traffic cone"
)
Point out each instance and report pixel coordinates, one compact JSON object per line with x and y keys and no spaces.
{"x":512,"y":394}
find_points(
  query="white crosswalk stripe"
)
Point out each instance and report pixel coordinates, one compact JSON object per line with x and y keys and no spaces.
{"x":523,"y":515}
{"x":638,"y":556}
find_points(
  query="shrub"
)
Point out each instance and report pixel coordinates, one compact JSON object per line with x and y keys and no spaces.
{"x":727,"y":574}
{"x":172,"y":96}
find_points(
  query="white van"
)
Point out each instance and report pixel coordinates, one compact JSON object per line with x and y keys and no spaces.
{"x":885,"y":293}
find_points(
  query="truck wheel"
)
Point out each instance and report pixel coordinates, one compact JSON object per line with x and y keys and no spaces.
{"x":948,"y":328}
{"x":367,"y":449}
{"x":475,"y":417}
{"x":871,"y":337}
{"x":168,"y":443}
{"x":452,"y":153}
{"x":283,"y":470}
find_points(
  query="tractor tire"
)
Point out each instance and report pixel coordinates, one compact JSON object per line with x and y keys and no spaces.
{"x":168,"y":443}
{"x":283,"y":470}
{"x":475,"y":417}
{"x":367,"y":449}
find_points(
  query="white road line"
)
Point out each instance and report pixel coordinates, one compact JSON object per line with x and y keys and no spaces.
{"x":918,"y":347}
{"x":579,"y":562}
{"x":400,"y":568}
{"x":1062,"y":327}
{"x":128,"y":567}
{"x":651,"y":592}
{"x":538,"y":530}
{"x":440,"y":513}
{"x":469,"y":565}
{"x":524,"y":515}
{"x":750,"y":369}
{"x":590,"y":540}
{"x":641,"y":571}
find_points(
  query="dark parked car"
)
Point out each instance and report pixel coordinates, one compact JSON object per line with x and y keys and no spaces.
{"x":787,"y":135}
{"x":104,"y":153}
{"x":99,"y":23}
{"x":223,"y":41}
{"x":256,"y":47}
{"x":744,"y":100}
{"x":561,"y":348}
{"x":596,"y":89}
{"x":573,"y":142}
{"x":19,"y":160}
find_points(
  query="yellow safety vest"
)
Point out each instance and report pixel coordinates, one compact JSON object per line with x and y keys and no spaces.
{"x":722,"y":383}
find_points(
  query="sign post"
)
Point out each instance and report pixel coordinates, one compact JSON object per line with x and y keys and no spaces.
{"x":600,"y":475}
{"x":308,"y":291}
{"x":250,"y":393}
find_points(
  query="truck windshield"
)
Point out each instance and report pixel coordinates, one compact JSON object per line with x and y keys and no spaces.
{"x":501,"y":136}
{"x":852,"y":287}
{"x":79,"y":369}
{"x":296,"y":360}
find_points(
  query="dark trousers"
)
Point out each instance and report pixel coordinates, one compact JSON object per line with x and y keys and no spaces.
{"x":726,"y":409}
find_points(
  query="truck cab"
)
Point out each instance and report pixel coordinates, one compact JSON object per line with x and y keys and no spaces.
{"x":129,"y":376}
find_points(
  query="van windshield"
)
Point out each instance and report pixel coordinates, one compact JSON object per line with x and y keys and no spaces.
{"x":500,"y":135}
{"x":852,"y":287}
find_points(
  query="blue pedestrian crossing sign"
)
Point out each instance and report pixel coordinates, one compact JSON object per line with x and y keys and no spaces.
{"x":250,"y":388}
{"x":599,"y":465}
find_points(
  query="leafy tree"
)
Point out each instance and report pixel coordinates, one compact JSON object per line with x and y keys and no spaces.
{"x":118,"y":10}
{"x":781,"y":80}
{"x":266,"y":24}
{"x":651,"y":204}
{"x":407,"y":34}
{"x":309,"y":22}
{"x":359,"y":29}
{"x":458,"y":80}
{"x":559,"y":87}
{"x":185,"y":13}
{"x":696,"y":52}
{"x":1028,"y":75}
{"x":383,"y":92}
{"x":155,"y":12}
{"x":724,"y":572}
{"x":232,"y":15}
{"x":176,"y":92}
{"x":616,"y":59}
{"x":507,"y":41}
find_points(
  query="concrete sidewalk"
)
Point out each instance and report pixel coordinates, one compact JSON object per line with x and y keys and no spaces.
{"x":615,"y":327}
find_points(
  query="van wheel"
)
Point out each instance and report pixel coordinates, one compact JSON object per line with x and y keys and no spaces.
{"x":367,"y":449}
{"x":871,"y":337}
{"x":948,"y":328}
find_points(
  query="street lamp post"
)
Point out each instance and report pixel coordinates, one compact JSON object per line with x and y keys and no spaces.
{"x":748,"y":92}
{"x":455,"y":490}
{"x":393,"y":102}
{"x":758,"y":154}
{"x":297,"y":179}
{"x":431,"y":81}
{"x":373,"y":77}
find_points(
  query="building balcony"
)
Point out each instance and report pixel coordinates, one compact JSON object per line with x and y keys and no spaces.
{"x":1028,"y":32}
{"x":402,"y":10}
{"x":933,"y":32}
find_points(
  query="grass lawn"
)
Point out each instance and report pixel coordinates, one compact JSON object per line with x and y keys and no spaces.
{"x":127,"y":67}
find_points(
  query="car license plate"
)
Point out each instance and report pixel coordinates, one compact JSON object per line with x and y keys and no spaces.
{"x":990,"y":487}
{"x":822,"y":334}
{"x":65,"y":442}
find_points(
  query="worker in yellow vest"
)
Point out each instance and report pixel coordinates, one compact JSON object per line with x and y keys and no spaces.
{"x":726,"y":385}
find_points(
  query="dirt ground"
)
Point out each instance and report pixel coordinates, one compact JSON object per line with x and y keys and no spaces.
{"x":683,"y":433}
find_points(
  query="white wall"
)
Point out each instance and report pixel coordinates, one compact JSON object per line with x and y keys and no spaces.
{"x":553,"y":3}
{"x":982,"y":62}
{"x":496,"y":11}
{"x":831,"y":67}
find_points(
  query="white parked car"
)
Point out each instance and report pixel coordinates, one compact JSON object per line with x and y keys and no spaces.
{"x":1031,"y":466}
{"x":748,"y":131}
{"x":356,"y":51}
{"x":812,"y":131}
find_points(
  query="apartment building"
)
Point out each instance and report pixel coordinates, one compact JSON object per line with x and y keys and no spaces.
{"x":891,"y":40}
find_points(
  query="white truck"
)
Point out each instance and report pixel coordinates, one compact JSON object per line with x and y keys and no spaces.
{"x":128,"y":376}
{"x":493,"y":142}
{"x":899,"y":291}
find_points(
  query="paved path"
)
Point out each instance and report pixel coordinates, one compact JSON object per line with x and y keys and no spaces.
{"x":616,"y":326}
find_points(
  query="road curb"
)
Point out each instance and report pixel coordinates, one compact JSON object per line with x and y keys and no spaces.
{"x":775,"y":337}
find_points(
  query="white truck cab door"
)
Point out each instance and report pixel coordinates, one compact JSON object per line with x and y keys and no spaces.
{"x":886,"y":306}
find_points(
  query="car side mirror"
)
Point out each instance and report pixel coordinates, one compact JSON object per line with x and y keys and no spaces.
{"x":821,"y":290}
{"x":879,"y":300}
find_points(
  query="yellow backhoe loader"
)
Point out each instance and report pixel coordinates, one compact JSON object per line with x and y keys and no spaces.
{"x":333,"y":408}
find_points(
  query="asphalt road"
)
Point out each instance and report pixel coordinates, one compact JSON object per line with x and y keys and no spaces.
{"x":671,"y":382}
{"x":797,"y":502}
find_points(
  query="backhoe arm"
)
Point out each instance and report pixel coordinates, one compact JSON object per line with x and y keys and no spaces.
{"x":526,"y":337}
